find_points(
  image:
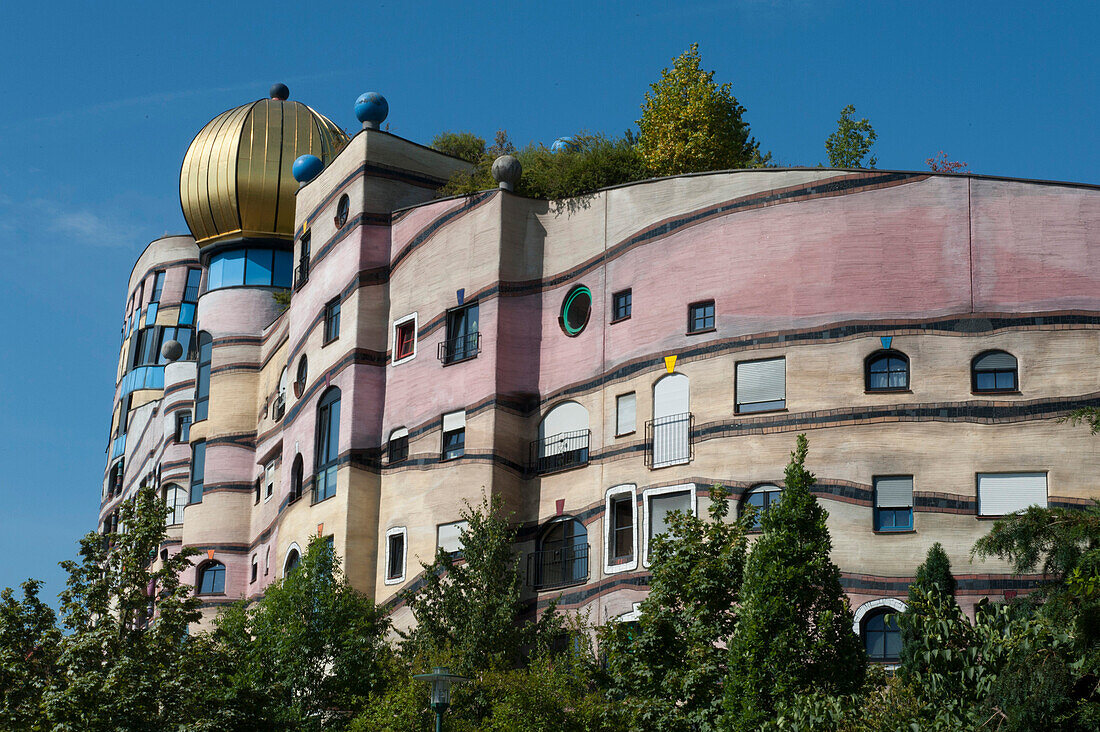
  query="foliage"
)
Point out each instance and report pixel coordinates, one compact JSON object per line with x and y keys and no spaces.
{"x":463,"y":145}
{"x":690,"y":124}
{"x":852,"y":141}
{"x":794,"y":634}
{"x":940,"y":164}
{"x":667,"y":670}
{"x":933,"y":577}
{"x":281,"y":298}
{"x":1086,"y":415}
{"x":127,"y":616}
{"x":29,"y":641}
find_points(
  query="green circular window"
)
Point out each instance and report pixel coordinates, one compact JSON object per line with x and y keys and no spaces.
{"x":575,"y":310}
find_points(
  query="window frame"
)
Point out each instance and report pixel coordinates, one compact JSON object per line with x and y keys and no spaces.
{"x":328,"y":411}
{"x":618,"y":410}
{"x":439,"y":543}
{"x":875,"y":357}
{"x":170,"y":490}
{"x":878,"y":511}
{"x":611,"y":563}
{"x":979,"y":511}
{"x":713,"y":317}
{"x":617,"y":304}
{"x":995,"y":390}
{"x":757,"y":489}
{"x":881,"y":612}
{"x":343,"y":209}
{"x":204,"y":568}
{"x":409,"y":320}
{"x":183,"y":426}
{"x":399,"y":433}
{"x":331,"y":322}
{"x":292,"y":552}
{"x":647,"y":495}
{"x":452,"y":318}
{"x":197,"y":478}
{"x":158,"y":285}
{"x":301,"y":376}
{"x":767,"y":406}
{"x":191,"y":292}
{"x":202,"y":376}
{"x":563,"y":315}
{"x":391,"y":533}
{"x":443,"y":451}
{"x":269,"y":480}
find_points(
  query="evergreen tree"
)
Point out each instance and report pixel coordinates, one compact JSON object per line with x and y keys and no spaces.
{"x":852,"y":141}
{"x":29,"y":640}
{"x":933,"y":577}
{"x":794,"y":634}
{"x":690,"y":123}
{"x":668,"y":668}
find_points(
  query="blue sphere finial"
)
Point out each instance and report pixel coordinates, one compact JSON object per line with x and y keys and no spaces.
{"x":306,"y":168}
{"x":563,"y":144}
{"x":371,"y":109}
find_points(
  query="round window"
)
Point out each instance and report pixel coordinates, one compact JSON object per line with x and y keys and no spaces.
{"x":342,"y":211}
{"x":575,"y":310}
{"x":300,"y":382}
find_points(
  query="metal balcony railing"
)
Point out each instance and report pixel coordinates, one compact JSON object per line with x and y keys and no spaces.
{"x":278,"y":407}
{"x":668,"y":440}
{"x":462,"y":348}
{"x":566,"y":565}
{"x":560,"y":452}
{"x":301,"y":274}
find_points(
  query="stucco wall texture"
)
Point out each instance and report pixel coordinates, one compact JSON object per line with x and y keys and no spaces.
{"x":815,"y":266}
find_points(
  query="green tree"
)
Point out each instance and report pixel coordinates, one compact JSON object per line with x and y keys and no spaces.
{"x":852,"y":141}
{"x":127,"y":615}
{"x":29,"y":640}
{"x":933,"y":577}
{"x":691,"y":124}
{"x":794,"y":634}
{"x":667,"y":670}
{"x":464,"y":145}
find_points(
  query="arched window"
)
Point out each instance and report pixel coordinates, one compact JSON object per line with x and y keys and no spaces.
{"x":342,"y":208}
{"x":176,"y":498}
{"x":881,"y":636}
{"x":211,"y":579}
{"x":202,"y":380}
{"x":278,"y":408}
{"x":669,"y":434}
{"x":763,"y":497}
{"x":994,"y":371}
{"x":293,"y":559}
{"x":296,"y":474}
{"x":562,"y":556}
{"x":886,"y":371}
{"x":327,"y":453}
{"x":563,"y":439}
{"x":300,"y":378}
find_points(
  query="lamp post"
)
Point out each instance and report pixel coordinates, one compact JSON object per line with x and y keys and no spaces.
{"x":441,"y":679}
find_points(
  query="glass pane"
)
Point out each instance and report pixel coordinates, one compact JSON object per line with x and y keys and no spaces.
{"x":880,"y":380}
{"x":985,"y":381}
{"x":187,"y":314}
{"x":282,"y":275}
{"x":876,"y":645}
{"x":876,"y":622}
{"x":897,"y":380}
{"x":213,"y":273}
{"x":258,"y":271}
{"x":334,"y":431}
{"x":1005,"y":380}
{"x":893,"y":644}
{"x":232,"y":268}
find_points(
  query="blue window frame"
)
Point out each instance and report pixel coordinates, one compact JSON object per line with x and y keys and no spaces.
{"x":893,"y":519}
{"x":191,"y":291}
{"x":253,"y":267}
{"x":893,"y":503}
{"x":202,"y":379}
{"x":212,"y":579}
{"x":158,"y":285}
{"x":198,"y":471}
{"x":328,"y":445}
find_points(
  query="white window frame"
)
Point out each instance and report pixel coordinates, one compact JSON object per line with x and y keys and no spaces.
{"x":651,"y":492}
{"x":898,"y":606}
{"x":620,"y":490}
{"x":618,"y":411}
{"x":269,"y":481}
{"x":292,"y":548}
{"x":404,"y":534}
{"x":438,"y":527}
{"x":393,"y":337}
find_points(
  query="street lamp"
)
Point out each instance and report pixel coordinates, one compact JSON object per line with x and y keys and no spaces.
{"x":441,"y":679}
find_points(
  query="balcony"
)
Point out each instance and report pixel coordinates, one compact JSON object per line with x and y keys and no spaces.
{"x":560,"y":452}
{"x":301,"y":274}
{"x":561,"y":567}
{"x":668,"y":440}
{"x":458,"y":349}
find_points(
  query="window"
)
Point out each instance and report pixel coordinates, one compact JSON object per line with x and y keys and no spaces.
{"x":659,"y":503}
{"x":395,"y":555}
{"x":183,"y":426}
{"x":145,"y":347}
{"x":182,"y":335}
{"x":249,"y":267}
{"x":620,"y":305}
{"x":301,"y":273}
{"x":269,"y":480}
{"x":293,"y":559}
{"x":881,"y":636}
{"x":300,"y":378}
{"x":763,"y":497}
{"x":668,"y":436}
{"x":332,"y":321}
{"x":255,"y":569}
{"x":449,"y":537}
{"x":454,"y":435}
{"x":1000,"y":494}
{"x":257,"y":488}
{"x":404,"y":339}
{"x":328,"y":445}
{"x":198,"y":469}
{"x":278,"y":408}
{"x":175,"y":498}
{"x":894,"y":503}
{"x":158,"y":285}
{"x":620,"y":532}
{"x":761,"y":385}
{"x":191,"y":290}
{"x":398,"y":445}
{"x":296,"y":475}
{"x":887,"y":371}
{"x":463,"y":338}
{"x":701,"y":317}
{"x":575,"y":310}
{"x":212,"y":579}
{"x":114,"y":479}
{"x":562,"y":556}
{"x":563,"y":439}
{"x":994,"y":371}
{"x":626,"y":419}
{"x":342,"y":208}
{"x":202,"y":378}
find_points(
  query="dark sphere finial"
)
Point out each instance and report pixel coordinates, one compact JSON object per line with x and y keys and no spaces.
{"x":280,"y":92}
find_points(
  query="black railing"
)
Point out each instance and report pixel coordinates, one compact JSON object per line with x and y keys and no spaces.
{"x":462,"y":348}
{"x":301,"y":274}
{"x":560,"y":452}
{"x":278,"y":408}
{"x":567,"y":565}
{"x":668,"y":440}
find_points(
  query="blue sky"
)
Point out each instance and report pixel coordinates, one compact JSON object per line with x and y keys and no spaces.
{"x":102,"y":99}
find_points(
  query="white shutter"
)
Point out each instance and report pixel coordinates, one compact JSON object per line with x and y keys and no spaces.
{"x":626,"y":418}
{"x":1004,"y":493}
{"x":762,"y":381}
{"x":450,"y":536}
{"x":995,"y":360}
{"x":670,"y":396}
{"x":454,"y":421}
{"x":894,"y":492}
{"x":398,"y":433}
{"x":661,"y":506}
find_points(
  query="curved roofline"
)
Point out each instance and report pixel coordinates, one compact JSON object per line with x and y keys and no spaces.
{"x":979,"y":176}
{"x":137,"y":260}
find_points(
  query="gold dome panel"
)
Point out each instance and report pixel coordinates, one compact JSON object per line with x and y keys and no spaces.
{"x":236,"y":180}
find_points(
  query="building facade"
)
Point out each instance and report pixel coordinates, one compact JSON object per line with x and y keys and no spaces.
{"x":596,"y":364}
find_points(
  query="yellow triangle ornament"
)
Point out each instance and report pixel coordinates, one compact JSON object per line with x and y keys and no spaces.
{"x":670,"y":363}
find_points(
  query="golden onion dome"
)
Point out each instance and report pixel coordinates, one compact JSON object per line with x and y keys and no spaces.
{"x":236,"y":178}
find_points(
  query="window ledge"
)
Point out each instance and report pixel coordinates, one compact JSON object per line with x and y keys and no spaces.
{"x":210,"y":594}
{"x":762,"y":411}
{"x":701,"y":332}
{"x":459,"y":360}
{"x":627,"y":434}
{"x":619,"y":320}
{"x":330,"y":341}
{"x":326,"y":498}
{"x":894,"y":531}
{"x":996,"y":393}
{"x":887,"y":391}
{"x":402,"y":359}
{"x":445,"y":459}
